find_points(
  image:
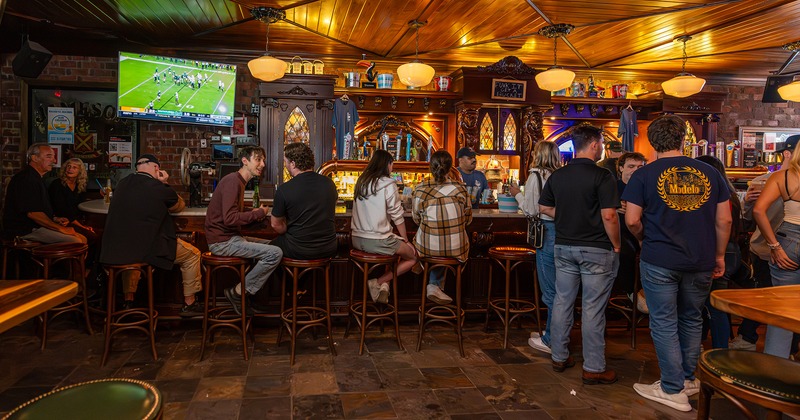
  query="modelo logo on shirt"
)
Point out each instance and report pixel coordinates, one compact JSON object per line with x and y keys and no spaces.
{"x":684,"y":188}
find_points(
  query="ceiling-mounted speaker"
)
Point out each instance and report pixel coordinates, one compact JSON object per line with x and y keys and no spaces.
{"x":771,"y":95}
{"x":31,"y":59}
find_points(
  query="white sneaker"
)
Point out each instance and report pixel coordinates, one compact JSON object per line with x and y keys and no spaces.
{"x":741,"y":344}
{"x":653,"y":392}
{"x":535,"y":334}
{"x":374,"y":289}
{"x":538,"y":344}
{"x":383,"y":293}
{"x":436,"y":295}
{"x":691,"y":388}
{"x":641,"y":302}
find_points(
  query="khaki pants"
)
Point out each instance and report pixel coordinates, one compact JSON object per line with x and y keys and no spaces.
{"x":187,"y":257}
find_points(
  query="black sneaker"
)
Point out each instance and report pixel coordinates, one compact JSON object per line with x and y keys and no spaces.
{"x":191,"y":311}
{"x":236,"y":301}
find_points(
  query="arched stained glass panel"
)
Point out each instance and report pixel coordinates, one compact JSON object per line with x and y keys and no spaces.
{"x":296,"y":128}
{"x":487,"y":133}
{"x":510,"y":134}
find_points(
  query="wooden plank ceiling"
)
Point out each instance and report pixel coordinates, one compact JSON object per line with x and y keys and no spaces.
{"x":734,"y":39}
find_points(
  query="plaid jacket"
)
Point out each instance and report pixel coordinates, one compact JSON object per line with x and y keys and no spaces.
{"x":442,"y":212}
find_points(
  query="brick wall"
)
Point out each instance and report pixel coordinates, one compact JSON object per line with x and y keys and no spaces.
{"x":744,"y":108}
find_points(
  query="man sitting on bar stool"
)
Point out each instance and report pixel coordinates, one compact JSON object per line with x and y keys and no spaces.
{"x":139,"y":229}
{"x":304,"y":208}
{"x":28,"y":213}
{"x":225,"y":217}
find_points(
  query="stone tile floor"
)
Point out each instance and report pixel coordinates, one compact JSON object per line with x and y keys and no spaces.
{"x":384,"y":383}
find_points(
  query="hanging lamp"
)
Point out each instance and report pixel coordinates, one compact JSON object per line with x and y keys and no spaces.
{"x":791,"y":91}
{"x":555,"y":78}
{"x":267,"y":67}
{"x":416,"y":73}
{"x":684,"y":84}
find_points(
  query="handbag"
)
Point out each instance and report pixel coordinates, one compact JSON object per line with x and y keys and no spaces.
{"x":535,"y":224}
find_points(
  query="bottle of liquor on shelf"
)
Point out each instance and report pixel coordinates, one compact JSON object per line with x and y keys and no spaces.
{"x":505,"y":186}
{"x":256,"y":196}
{"x":108,"y":192}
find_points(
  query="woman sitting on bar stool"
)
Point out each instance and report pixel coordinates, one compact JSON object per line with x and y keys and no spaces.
{"x":375,"y":204}
{"x":434,"y":197}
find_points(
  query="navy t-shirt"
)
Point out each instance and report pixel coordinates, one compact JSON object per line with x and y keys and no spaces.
{"x":578,"y":191}
{"x":476,"y":183}
{"x":679,"y":197}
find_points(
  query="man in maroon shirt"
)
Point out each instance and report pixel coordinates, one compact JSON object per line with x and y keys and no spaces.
{"x":224,"y":220}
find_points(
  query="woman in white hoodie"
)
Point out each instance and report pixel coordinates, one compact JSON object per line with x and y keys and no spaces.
{"x":376,"y":203}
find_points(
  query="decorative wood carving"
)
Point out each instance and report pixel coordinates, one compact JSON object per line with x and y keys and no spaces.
{"x":468,"y":128}
{"x":564,"y":109}
{"x":608,"y":109}
{"x":695,"y":107}
{"x":426,"y":103}
{"x":361,"y":99}
{"x":411,"y":102}
{"x":394,"y":102}
{"x":511,"y":66}
{"x":297,"y":90}
{"x":533,"y":121}
{"x":388,"y":121}
{"x":327,"y":103}
{"x":593,"y":109}
{"x":443,"y":103}
{"x":310,"y":108}
{"x":378,"y":101}
{"x":580,"y":107}
{"x":269,"y":102}
{"x":284,"y":106}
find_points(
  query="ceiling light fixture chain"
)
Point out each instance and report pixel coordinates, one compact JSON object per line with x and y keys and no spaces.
{"x":415,"y":74}
{"x":684,"y":84}
{"x":266,"y":67}
{"x":791,"y":46}
{"x":555,"y":78}
{"x":683,"y":38}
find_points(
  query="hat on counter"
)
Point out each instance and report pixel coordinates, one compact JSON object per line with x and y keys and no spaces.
{"x":614,"y":146}
{"x":147,"y":158}
{"x":790,"y":144}
{"x":465,"y":151}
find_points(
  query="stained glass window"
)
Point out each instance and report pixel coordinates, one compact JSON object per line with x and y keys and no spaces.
{"x":487,"y":133}
{"x":510,"y":134}
{"x":296,"y":128}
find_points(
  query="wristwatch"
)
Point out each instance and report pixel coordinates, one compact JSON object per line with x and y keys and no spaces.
{"x":774,"y":246}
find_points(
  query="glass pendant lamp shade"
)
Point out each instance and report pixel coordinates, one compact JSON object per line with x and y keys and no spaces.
{"x":683,"y":85}
{"x":555,"y":78}
{"x":267,"y":68}
{"x":790,"y":92}
{"x":415,"y":74}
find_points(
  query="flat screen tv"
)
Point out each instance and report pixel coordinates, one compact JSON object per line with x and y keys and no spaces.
{"x":168,"y":89}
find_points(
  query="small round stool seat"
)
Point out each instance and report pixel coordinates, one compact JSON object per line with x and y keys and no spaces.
{"x":15,"y":245}
{"x":763,"y":379}
{"x":514,"y":253}
{"x":62,"y":250}
{"x":367,"y":257}
{"x":291,"y":262}
{"x":18,"y":243}
{"x":212,"y":259}
{"x":441,"y":260}
{"x":120,"y":398}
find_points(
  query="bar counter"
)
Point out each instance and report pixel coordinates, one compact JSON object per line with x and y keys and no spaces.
{"x":489,"y":227}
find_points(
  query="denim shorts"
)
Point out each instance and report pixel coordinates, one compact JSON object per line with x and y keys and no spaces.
{"x":385,"y":246}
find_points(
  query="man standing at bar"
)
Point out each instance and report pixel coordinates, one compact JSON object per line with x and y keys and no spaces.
{"x":304,"y":208}
{"x":474,"y":179}
{"x":28,"y":213}
{"x":139,"y":229}
{"x":679,"y":207}
{"x":613,"y":150}
{"x":225,"y":217}
{"x":582,"y":199}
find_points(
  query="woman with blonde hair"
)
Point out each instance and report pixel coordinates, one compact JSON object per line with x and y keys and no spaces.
{"x":546,"y":159}
{"x":67,"y":192}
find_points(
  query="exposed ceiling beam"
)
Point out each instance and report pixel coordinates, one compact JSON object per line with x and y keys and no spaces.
{"x":659,"y":12}
{"x":563,"y":38}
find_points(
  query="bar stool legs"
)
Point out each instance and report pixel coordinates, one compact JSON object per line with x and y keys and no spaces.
{"x":508,"y":309}
{"x":448,"y":314}
{"x":118,"y":321}
{"x":221,"y":317}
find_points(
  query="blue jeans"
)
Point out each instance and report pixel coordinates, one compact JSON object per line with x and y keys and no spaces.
{"x":779,"y":340}
{"x":546,"y":271}
{"x":267,"y":258}
{"x":592,"y":270}
{"x":675,"y":299}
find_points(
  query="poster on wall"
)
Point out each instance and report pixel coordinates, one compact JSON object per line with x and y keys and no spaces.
{"x":120,"y":152}
{"x":60,"y":125}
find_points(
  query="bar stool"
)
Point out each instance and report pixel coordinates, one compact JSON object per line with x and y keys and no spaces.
{"x":759,"y":378}
{"x":448,"y":314}
{"x":117,"y":398}
{"x":224,"y":316}
{"x":366,"y":263}
{"x":510,"y":258}
{"x":19,"y":247}
{"x":118,"y":321}
{"x":73,"y":254}
{"x":306,"y":316}
{"x":628,"y":307}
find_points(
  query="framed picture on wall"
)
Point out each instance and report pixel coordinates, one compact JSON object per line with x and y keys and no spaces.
{"x":508,"y":89}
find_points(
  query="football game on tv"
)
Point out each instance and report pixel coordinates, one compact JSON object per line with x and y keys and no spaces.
{"x":176,"y":89}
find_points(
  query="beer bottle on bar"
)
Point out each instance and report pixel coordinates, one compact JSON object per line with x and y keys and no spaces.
{"x":256,"y":198}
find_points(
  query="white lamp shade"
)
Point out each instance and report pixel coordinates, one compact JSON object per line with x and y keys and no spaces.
{"x":683,"y":85}
{"x":415,"y":74}
{"x":790,"y":92}
{"x":555,"y":78}
{"x":267,"y":68}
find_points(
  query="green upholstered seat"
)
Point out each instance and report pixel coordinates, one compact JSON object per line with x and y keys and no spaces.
{"x":758,"y":372}
{"x":116,"y":398}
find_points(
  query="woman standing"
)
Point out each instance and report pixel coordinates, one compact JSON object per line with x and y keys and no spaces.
{"x":784,"y":243}
{"x":377,"y":203}
{"x":546,"y":159}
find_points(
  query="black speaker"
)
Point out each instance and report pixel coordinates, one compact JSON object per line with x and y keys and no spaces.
{"x":31,"y":59}
{"x":771,"y":95}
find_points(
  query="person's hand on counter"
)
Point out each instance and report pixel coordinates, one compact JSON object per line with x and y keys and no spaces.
{"x":514,"y":190}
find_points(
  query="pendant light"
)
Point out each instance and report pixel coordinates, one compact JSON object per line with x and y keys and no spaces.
{"x":555,"y":78}
{"x":684,"y":84}
{"x":791,"y":91}
{"x":267,"y":67}
{"x":416,"y":73}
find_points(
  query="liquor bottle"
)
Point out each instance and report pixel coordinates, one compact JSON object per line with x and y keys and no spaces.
{"x":108,"y":192}
{"x":408,"y":147}
{"x":256,"y":197}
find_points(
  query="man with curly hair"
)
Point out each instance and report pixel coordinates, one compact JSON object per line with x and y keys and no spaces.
{"x":678,"y":207}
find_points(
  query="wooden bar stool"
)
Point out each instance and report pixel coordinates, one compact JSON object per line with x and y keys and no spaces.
{"x":447,"y":314}
{"x":73,"y":254}
{"x":299,"y":318}
{"x":628,"y":307}
{"x":19,"y":247}
{"x":224,"y":316}
{"x":140,"y":319}
{"x":510,"y":258}
{"x":762,"y":379}
{"x":366,"y":263}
